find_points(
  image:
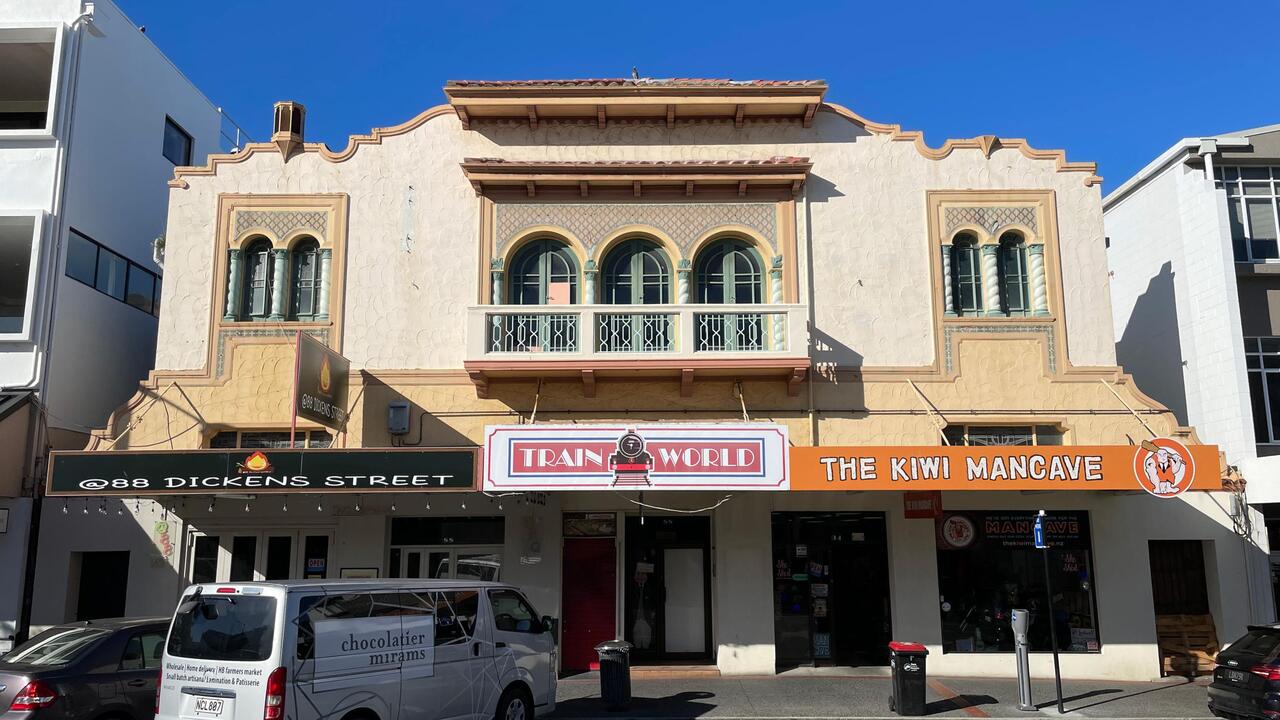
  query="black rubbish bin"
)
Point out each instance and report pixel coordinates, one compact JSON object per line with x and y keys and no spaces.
{"x":906,"y":662}
{"x":615,"y":674}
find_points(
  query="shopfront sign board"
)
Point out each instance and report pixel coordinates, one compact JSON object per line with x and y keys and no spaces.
{"x":744,"y":456}
{"x":261,"y":471}
{"x":320,"y":392}
{"x":922,"y":504}
{"x":1163,"y":467}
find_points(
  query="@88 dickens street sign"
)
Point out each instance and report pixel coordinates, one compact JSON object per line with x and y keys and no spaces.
{"x":320,"y":390}
{"x":261,"y":471}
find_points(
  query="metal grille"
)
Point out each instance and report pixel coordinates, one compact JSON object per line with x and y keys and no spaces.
{"x":632,"y":332}
{"x":737,"y":332}
{"x":540,"y":332}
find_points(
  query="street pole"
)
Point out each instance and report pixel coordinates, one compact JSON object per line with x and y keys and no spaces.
{"x":1053,"y":630}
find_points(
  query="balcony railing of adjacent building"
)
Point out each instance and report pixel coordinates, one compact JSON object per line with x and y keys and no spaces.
{"x":548,"y":332}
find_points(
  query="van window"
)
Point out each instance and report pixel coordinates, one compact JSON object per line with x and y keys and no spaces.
{"x":318,"y":608}
{"x":456,"y":616}
{"x":224,"y":627}
{"x":512,"y":614}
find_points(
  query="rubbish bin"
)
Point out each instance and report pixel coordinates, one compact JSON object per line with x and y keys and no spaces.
{"x":906,"y":662}
{"x":615,"y":674}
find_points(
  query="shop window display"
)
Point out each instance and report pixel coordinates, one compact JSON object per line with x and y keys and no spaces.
{"x":988,"y":565}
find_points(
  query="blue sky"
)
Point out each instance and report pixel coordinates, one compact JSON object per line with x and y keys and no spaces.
{"x":1113,"y":82}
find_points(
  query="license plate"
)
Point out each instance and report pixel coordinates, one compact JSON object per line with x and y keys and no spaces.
{"x":209,"y":706}
{"x":1235,"y":676}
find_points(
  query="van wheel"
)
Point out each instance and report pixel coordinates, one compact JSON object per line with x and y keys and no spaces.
{"x":515,"y":704}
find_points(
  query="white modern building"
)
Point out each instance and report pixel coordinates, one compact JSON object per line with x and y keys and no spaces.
{"x":93,"y":120}
{"x":1195,"y":290}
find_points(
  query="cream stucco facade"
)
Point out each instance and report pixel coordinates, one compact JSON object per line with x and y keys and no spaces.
{"x":857,"y":245}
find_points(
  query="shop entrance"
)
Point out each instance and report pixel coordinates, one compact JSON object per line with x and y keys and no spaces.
{"x":667,"y":575}
{"x":1185,"y":630}
{"x":446,"y":547}
{"x":831,"y":588}
{"x":247,"y":556}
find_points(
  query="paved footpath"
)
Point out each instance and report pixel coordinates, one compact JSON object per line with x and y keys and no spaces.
{"x":866,"y":697}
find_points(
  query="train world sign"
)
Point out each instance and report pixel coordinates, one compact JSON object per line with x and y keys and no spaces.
{"x":747,"y":456}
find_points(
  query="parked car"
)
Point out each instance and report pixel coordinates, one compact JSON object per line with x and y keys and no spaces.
{"x":373,"y":650}
{"x":1246,"y":681}
{"x":85,"y":671}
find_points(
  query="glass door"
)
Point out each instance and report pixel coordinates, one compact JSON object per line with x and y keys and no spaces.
{"x":238,"y":556}
{"x":467,"y":562}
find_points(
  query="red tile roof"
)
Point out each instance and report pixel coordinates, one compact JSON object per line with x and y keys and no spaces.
{"x":637,"y":82}
{"x":778,"y":160}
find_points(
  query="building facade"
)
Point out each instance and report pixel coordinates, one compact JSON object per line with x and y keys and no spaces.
{"x":1192,"y":243}
{"x":93,"y":120}
{"x":683,"y":345}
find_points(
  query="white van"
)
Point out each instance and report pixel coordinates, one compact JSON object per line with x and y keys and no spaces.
{"x":357,"y":650}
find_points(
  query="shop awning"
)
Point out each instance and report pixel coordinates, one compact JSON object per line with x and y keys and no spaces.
{"x":264,"y":471}
{"x":1163,"y":467}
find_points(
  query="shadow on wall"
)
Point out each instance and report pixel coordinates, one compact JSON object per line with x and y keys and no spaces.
{"x":827,"y":128}
{"x":425,"y":429}
{"x":1150,"y":348}
{"x":105,"y":557}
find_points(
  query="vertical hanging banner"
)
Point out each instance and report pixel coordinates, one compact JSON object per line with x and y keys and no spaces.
{"x":320,"y":388}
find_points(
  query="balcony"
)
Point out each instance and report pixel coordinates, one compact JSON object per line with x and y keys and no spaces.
{"x":685,"y":341}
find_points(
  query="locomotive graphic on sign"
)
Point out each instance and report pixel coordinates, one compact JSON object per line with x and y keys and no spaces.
{"x":631,"y":465}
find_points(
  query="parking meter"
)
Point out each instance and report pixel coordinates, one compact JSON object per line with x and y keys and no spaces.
{"x":1020,"y":621}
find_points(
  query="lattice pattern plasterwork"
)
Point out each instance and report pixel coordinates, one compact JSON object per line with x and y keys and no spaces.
{"x":950,"y":330}
{"x":321,"y":334}
{"x":990,"y":218}
{"x":593,"y":222}
{"x":282,"y":223}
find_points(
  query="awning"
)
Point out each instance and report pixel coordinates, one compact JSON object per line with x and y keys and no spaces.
{"x":1163,"y":467}
{"x":264,"y":471}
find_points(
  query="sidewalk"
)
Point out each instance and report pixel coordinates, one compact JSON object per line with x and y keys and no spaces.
{"x":866,"y":697}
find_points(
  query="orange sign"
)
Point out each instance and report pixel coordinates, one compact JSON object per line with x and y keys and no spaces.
{"x":1162,"y":467}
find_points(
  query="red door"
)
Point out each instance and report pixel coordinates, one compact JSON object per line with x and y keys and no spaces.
{"x":590,"y":596}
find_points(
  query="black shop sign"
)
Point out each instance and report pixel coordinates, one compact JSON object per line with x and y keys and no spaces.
{"x":1013,"y":528}
{"x":261,"y":471}
{"x":320,"y":394}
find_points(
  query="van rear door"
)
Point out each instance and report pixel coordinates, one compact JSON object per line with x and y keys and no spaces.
{"x":349,"y":652}
{"x":222,"y":649}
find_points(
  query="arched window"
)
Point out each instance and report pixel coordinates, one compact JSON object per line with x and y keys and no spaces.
{"x":636,"y":272}
{"x":1015,"y":297}
{"x":729,"y":271}
{"x":304,"y":279}
{"x":966,"y":274}
{"x":544,"y":272}
{"x":256,"y":292}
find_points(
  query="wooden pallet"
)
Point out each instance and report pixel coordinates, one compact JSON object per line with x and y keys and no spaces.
{"x":1188,"y":644}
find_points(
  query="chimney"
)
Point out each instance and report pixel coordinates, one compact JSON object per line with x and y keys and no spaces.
{"x":287,"y":130}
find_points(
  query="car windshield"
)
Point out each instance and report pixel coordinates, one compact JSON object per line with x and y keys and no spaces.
{"x":223,"y":627}
{"x":56,"y":647}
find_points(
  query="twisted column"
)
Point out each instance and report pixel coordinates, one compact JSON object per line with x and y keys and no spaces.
{"x":233,"y":283}
{"x":991,"y":280}
{"x":589,"y":274}
{"x":322,"y":294}
{"x":1039,"y":287}
{"x":281,"y":258}
{"x":948,"y":294}
{"x":683,"y":269}
{"x":495,"y":272}
{"x":775,"y":297}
